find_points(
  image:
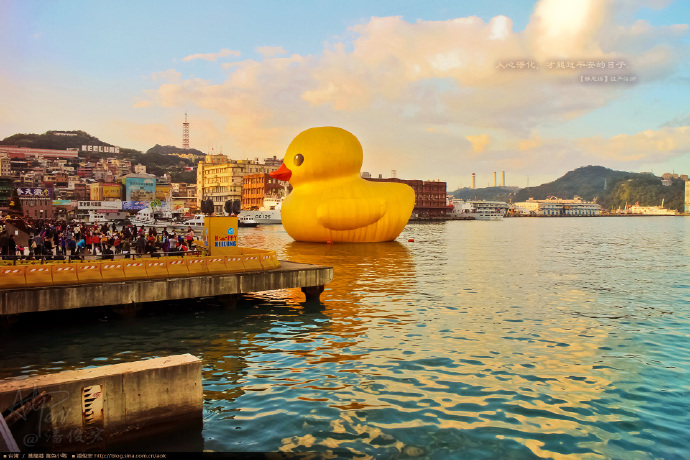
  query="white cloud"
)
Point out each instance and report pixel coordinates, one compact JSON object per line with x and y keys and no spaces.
{"x":645,"y":146}
{"x":271,"y":51}
{"x":529,"y":144}
{"x":212,"y":56}
{"x":171,"y":75}
{"x":407,"y":90}
{"x":479,"y":143}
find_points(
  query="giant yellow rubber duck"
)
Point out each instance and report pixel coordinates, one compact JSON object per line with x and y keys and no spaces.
{"x":329,"y":200}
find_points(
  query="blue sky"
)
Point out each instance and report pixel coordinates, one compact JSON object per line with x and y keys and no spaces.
{"x":421,"y":84}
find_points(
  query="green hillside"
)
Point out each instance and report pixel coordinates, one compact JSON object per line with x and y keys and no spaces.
{"x":506,"y":194}
{"x":587,"y":182}
{"x":647,"y":190}
{"x":158,"y":159}
{"x":50,"y":140}
{"x":610,"y":188}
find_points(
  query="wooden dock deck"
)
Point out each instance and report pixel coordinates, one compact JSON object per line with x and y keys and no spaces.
{"x":310,"y":278}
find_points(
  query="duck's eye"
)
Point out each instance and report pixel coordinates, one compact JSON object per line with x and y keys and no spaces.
{"x":298,"y":159}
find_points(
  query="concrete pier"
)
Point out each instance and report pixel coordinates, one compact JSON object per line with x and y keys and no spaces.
{"x":90,"y":408}
{"x":137,"y":291}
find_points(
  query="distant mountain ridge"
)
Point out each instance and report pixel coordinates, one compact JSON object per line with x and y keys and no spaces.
{"x":158,"y":159}
{"x":587,"y":182}
{"x":506,"y":194}
{"x":610,"y":188}
{"x":52,"y":140}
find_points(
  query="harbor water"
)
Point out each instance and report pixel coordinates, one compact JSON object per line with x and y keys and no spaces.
{"x":524,"y":338}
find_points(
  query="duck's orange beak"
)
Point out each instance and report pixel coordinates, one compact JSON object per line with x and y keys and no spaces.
{"x":282,"y":173}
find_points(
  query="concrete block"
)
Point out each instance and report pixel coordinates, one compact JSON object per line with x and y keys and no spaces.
{"x":137,"y":399}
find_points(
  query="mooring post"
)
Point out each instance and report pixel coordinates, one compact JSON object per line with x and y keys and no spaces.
{"x":313,"y":293}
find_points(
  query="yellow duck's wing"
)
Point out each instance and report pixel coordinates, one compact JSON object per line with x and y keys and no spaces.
{"x":350,"y":213}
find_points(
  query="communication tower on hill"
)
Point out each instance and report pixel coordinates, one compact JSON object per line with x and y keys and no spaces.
{"x":185,"y":132}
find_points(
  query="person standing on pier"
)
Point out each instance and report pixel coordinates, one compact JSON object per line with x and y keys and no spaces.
{"x":11,"y":247}
{"x":81,"y":244}
{"x":190,"y":236}
{"x":4,"y":245}
{"x":38,"y":240}
{"x":141,"y":244}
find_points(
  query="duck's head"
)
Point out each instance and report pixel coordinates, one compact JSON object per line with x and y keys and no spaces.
{"x":320,"y":154}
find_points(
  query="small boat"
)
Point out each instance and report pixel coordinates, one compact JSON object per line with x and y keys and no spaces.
{"x":196,"y":223}
{"x":146,"y":218}
{"x":246,"y":221}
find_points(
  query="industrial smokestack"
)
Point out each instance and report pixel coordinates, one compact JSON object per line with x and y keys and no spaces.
{"x":503,"y":178}
{"x":494,"y":178}
{"x":472,"y":180}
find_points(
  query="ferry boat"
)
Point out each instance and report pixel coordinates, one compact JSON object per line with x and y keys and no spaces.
{"x":269,"y":213}
{"x":652,"y":210}
{"x":488,"y":210}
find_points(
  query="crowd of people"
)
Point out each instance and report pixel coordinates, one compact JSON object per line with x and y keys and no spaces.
{"x":51,"y":239}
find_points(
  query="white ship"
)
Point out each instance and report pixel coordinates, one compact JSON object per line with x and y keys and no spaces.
{"x":652,"y":210}
{"x":197,"y":223}
{"x":460,"y":209}
{"x":146,"y":218}
{"x":269,"y":213}
{"x":488,"y":210}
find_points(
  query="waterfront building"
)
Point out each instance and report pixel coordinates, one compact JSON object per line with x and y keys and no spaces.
{"x":430,"y":196}
{"x":220,"y":179}
{"x":257,"y":187}
{"x":553,"y":206}
{"x":185,"y":193}
{"x":687,"y":196}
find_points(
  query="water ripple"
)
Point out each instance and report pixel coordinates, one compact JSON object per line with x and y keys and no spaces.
{"x":529,"y":338}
